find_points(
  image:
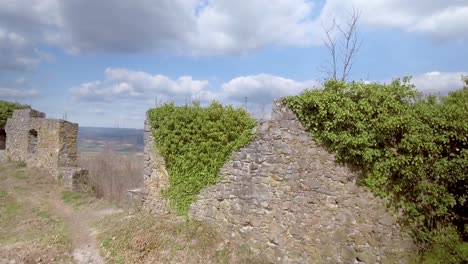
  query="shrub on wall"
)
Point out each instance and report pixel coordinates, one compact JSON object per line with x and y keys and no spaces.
{"x":195,"y":143}
{"x":413,"y":150}
{"x":6,"y":111}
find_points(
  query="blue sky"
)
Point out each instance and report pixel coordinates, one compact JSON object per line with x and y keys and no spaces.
{"x":104,"y":63}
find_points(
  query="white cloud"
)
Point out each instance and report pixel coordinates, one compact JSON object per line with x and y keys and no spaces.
{"x":262,"y":88}
{"x":124,"y":84}
{"x":12,"y":93}
{"x":226,"y":26}
{"x":17,"y":53}
{"x":438,"y":82}
{"x":133,"y":92}
{"x":131,"y":86}
{"x":201,"y":27}
{"x":442,"y":19}
{"x":196,"y":27}
{"x":142,"y":89}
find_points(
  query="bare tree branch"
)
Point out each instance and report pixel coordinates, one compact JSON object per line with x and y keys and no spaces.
{"x":330,"y":43}
{"x":342,"y":52}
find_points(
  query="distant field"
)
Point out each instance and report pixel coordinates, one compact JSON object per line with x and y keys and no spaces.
{"x":122,"y":140}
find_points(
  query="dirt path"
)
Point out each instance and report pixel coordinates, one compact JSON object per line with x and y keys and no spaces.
{"x":85,"y":245}
{"x":78,"y":219}
{"x":39,"y":191}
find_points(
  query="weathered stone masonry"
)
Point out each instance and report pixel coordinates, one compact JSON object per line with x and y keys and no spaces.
{"x":44,"y":143}
{"x":288,"y":199}
{"x":155,"y":175}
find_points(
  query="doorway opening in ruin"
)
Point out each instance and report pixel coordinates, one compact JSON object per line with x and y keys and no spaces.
{"x":2,"y":139}
{"x":32,"y":141}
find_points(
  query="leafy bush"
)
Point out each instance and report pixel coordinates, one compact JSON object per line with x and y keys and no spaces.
{"x":413,"y":149}
{"x":195,"y":143}
{"x":6,"y":111}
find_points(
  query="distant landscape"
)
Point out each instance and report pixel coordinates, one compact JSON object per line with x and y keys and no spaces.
{"x":122,"y":140}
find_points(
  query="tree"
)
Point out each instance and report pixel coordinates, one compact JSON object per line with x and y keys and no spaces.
{"x":342,"y":43}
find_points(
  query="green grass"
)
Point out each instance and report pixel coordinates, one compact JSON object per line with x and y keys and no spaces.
{"x":22,"y":221}
{"x":8,"y":208}
{"x":21,"y":164}
{"x":21,"y":175}
{"x":28,"y":229}
{"x":72,"y":198}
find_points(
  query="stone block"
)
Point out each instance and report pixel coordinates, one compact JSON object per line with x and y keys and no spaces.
{"x":75,"y":179}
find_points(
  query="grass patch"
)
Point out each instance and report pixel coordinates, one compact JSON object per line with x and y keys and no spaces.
{"x":28,"y":230}
{"x":21,"y":175}
{"x":72,"y":198}
{"x":21,"y":164}
{"x":21,"y":221}
{"x":8,"y":208}
{"x":144,"y":238}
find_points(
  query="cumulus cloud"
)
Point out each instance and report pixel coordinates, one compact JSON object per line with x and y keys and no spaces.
{"x":262,"y":88}
{"x":136,"y":85}
{"x":239,"y":26}
{"x":136,"y":91}
{"x":182,"y":26}
{"x":17,"y":53}
{"x":124,"y":26}
{"x":441,"y":19}
{"x":438,"y":82}
{"x":143,"y":89}
{"x":201,"y":27}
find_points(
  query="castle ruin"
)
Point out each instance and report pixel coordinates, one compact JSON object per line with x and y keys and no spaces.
{"x":48,"y":144}
{"x":289,"y":200}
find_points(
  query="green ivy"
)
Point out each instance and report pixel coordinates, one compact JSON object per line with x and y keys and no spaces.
{"x":6,"y":111}
{"x":413,"y":149}
{"x":195,"y":143}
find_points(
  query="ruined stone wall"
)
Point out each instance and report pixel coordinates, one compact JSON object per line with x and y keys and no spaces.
{"x":44,"y":143}
{"x":17,"y":128}
{"x":155,"y":174}
{"x":287,"y":198}
{"x":68,"y":152}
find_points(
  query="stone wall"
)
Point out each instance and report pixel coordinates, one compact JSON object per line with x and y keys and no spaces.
{"x":288,"y":199}
{"x":155,"y":175}
{"x":44,"y":143}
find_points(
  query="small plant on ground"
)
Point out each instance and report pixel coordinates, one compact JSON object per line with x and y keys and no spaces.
{"x":195,"y":143}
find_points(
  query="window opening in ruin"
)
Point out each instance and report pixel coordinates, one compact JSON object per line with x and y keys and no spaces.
{"x":2,"y":139}
{"x":32,"y":141}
